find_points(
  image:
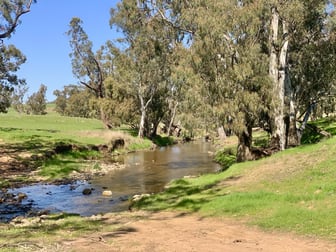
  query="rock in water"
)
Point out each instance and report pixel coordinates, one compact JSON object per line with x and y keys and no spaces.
{"x":21,"y":196}
{"x":87,"y":191}
{"x":107,"y":193}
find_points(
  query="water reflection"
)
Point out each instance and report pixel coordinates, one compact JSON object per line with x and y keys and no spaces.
{"x":145,"y":172}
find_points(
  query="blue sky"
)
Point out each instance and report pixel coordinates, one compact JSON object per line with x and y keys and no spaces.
{"x":41,"y":37}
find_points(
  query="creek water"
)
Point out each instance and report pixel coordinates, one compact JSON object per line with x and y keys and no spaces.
{"x":144,"y":172}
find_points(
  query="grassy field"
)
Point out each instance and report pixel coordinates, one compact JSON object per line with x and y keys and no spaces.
{"x":15,"y":127}
{"x":24,"y":135}
{"x":294,"y":191}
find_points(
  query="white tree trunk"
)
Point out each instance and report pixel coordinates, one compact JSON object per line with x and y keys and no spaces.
{"x":143,"y":108}
{"x":221,"y":133}
{"x":170,"y":133}
{"x":141,"y":132}
{"x":142,"y":124}
{"x":292,"y":132}
{"x":277,"y":71}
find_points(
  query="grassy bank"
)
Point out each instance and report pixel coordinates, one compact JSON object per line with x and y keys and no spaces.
{"x":294,"y":191}
{"x":30,"y":140}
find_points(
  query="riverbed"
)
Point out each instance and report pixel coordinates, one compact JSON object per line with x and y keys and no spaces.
{"x":143,"y":172}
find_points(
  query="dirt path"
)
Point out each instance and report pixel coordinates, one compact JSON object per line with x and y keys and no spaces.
{"x":183,"y":232}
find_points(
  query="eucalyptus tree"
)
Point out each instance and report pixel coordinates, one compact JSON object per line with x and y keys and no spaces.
{"x":149,"y":44}
{"x":243,"y":85}
{"x":119,"y":102}
{"x":10,"y":61}
{"x":180,"y":83}
{"x":74,"y":100}
{"x":233,"y":45}
{"x":230,"y":63}
{"x":11,"y":12}
{"x":301,"y":62}
{"x":18,"y":98}
{"x":37,"y":103}
{"x":10,"y":57}
{"x":91,"y":69}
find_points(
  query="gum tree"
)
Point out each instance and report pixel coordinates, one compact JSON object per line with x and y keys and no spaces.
{"x":149,"y":44}
{"x":10,"y":57}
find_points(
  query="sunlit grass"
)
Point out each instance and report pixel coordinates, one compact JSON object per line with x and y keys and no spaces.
{"x":61,"y":166}
{"x":294,"y":190}
{"x":15,"y":127}
{"x":37,"y":136}
{"x":44,"y":234}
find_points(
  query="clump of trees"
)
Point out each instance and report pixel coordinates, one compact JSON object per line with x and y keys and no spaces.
{"x":212,"y":64}
{"x":73,"y":100}
{"x":232,"y":65}
{"x":36,"y":104}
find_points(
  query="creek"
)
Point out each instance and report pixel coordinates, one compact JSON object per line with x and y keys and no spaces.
{"x":144,"y":172}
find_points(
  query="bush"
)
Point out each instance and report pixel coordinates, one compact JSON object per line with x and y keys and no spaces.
{"x":225,"y":158}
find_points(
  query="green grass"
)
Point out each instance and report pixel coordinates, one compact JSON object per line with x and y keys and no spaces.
{"x":62,"y":165}
{"x":294,"y":191}
{"x":38,"y":135}
{"x":45,"y":235}
{"x":140,"y":144}
{"x":311,"y":136}
{"x":15,"y":127}
{"x":226,"y":157}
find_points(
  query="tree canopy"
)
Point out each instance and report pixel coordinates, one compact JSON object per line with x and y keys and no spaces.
{"x":10,"y":57}
{"x":211,"y":64}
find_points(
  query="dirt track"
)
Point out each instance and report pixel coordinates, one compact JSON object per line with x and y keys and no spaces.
{"x":181,"y":232}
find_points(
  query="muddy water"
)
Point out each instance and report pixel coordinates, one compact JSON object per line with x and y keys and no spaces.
{"x":145,"y":172}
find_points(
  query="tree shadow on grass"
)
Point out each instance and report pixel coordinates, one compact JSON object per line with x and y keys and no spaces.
{"x":182,"y":195}
{"x":57,"y":227}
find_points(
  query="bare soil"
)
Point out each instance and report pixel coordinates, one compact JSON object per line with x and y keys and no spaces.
{"x":168,"y":231}
{"x":14,"y":161}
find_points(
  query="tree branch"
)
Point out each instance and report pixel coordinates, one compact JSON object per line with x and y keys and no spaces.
{"x":19,"y":12}
{"x":88,"y":86}
{"x":171,"y":23}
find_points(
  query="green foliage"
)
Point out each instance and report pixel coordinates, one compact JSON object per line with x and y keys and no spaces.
{"x":10,"y":13}
{"x":139,"y":144}
{"x":163,"y":141}
{"x":36,"y":103}
{"x":17,"y":99}
{"x":147,"y":61}
{"x":310,"y":136}
{"x":10,"y":57}
{"x":74,"y":101}
{"x":10,"y":61}
{"x":226,"y":157}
